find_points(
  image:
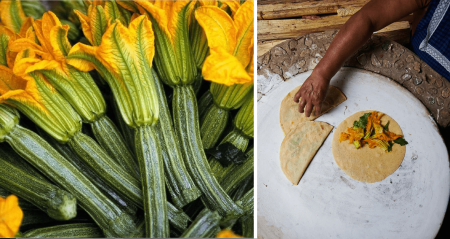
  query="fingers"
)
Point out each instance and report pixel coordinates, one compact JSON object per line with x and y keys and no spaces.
{"x":308,"y":109}
{"x":301,"y":106}
{"x":318,"y":108}
{"x":297,"y":96}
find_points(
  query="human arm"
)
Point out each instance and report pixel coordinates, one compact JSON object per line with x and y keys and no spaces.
{"x":374,"y":16}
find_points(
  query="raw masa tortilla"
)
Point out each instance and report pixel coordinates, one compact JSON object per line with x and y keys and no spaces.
{"x":289,"y":115}
{"x":366,"y":164}
{"x":299,"y":147}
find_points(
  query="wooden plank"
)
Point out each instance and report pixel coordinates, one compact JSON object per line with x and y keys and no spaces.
{"x":285,"y":29}
{"x":265,"y":46}
{"x":296,"y":9}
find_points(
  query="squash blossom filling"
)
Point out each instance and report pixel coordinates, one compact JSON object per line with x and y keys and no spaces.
{"x":370,"y":130}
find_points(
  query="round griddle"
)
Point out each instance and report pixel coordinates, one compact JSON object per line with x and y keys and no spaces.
{"x":327,"y":203}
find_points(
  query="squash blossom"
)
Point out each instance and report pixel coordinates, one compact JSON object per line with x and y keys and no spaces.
{"x":124,"y":59}
{"x":176,"y":67}
{"x":33,"y":95}
{"x":178,"y":181}
{"x":11,"y":216}
{"x":77,"y":87}
{"x":229,"y":65}
{"x":373,"y":133}
{"x":12,"y":14}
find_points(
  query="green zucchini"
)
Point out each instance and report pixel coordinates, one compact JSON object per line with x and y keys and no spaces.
{"x":127,"y":131}
{"x":8,"y":154}
{"x":247,"y":201}
{"x":186,"y":123}
{"x":247,"y":225}
{"x":205,"y":101}
{"x":204,"y":226}
{"x":239,"y":140}
{"x":212,"y":125}
{"x":59,"y":204}
{"x":37,"y":218}
{"x":177,"y":217}
{"x":113,"y":221}
{"x":74,"y":230}
{"x":122,"y":202}
{"x":237,"y":173}
{"x":180,"y":184}
{"x":214,"y":121}
{"x":23,"y":204}
{"x":246,"y":185}
{"x":150,"y":160}
{"x":110,"y":139}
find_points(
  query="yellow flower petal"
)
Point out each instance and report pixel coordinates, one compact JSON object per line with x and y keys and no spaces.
{"x":234,"y":5}
{"x":243,"y":20}
{"x":12,"y":14}
{"x":85,"y":24}
{"x":166,"y":14}
{"x":224,"y":68}
{"x":11,"y":216}
{"x":227,"y":233}
{"x":80,"y":63}
{"x":218,"y":26}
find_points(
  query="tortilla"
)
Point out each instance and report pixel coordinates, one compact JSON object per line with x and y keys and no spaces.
{"x":300,"y":146}
{"x":289,"y":115}
{"x":366,"y":164}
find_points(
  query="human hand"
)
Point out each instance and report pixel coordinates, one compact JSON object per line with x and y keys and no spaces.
{"x":312,"y":93}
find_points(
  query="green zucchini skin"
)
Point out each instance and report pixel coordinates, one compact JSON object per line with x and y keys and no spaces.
{"x":206,"y":223}
{"x":64,"y":149}
{"x":237,"y":173}
{"x":177,"y":217}
{"x":247,"y":201}
{"x":180,"y":184}
{"x":98,"y":160}
{"x":186,"y":123}
{"x":239,"y":140}
{"x":74,"y":230}
{"x":8,"y":154}
{"x":247,"y":225}
{"x":127,"y":131}
{"x":151,"y":166}
{"x":113,"y":221}
{"x":205,"y":101}
{"x":110,"y":139}
{"x":23,"y":204}
{"x":57,"y":203}
{"x":212,"y":125}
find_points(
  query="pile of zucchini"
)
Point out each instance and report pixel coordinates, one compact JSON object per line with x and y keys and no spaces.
{"x":110,"y":125}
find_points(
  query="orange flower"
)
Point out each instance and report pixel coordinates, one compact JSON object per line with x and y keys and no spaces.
{"x":227,"y":233}
{"x":10,"y":216}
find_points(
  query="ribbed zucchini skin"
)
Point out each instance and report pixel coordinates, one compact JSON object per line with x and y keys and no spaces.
{"x":205,"y":101}
{"x":57,"y":203}
{"x":150,"y":161}
{"x":186,"y":123}
{"x":236,"y":174}
{"x":8,"y":154}
{"x":23,"y":204}
{"x":177,"y":218}
{"x":239,"y":140}
{"x":74,"y":230}
{"x":180,"y":184}
{"x":206,"y":224}
{"x":247,"y":225}
{"x":64,"y":149}
{"x":127,"y":131}
{"x":247,"y":201}
{"x":97,"y":159}
{"x":212,"y":125}
{"x":110,"y":139}
{"x":113,"y":221}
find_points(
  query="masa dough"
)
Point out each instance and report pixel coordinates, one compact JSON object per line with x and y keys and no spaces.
{"x":289,"y":115}
{"x":365,"y":164}
{"x":299,"y":147}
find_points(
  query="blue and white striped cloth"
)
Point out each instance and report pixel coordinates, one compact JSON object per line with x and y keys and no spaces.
{"x":431,"y":40}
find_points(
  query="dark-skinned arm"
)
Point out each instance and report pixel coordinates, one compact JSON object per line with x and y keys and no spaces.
{"x":374,"y":16}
